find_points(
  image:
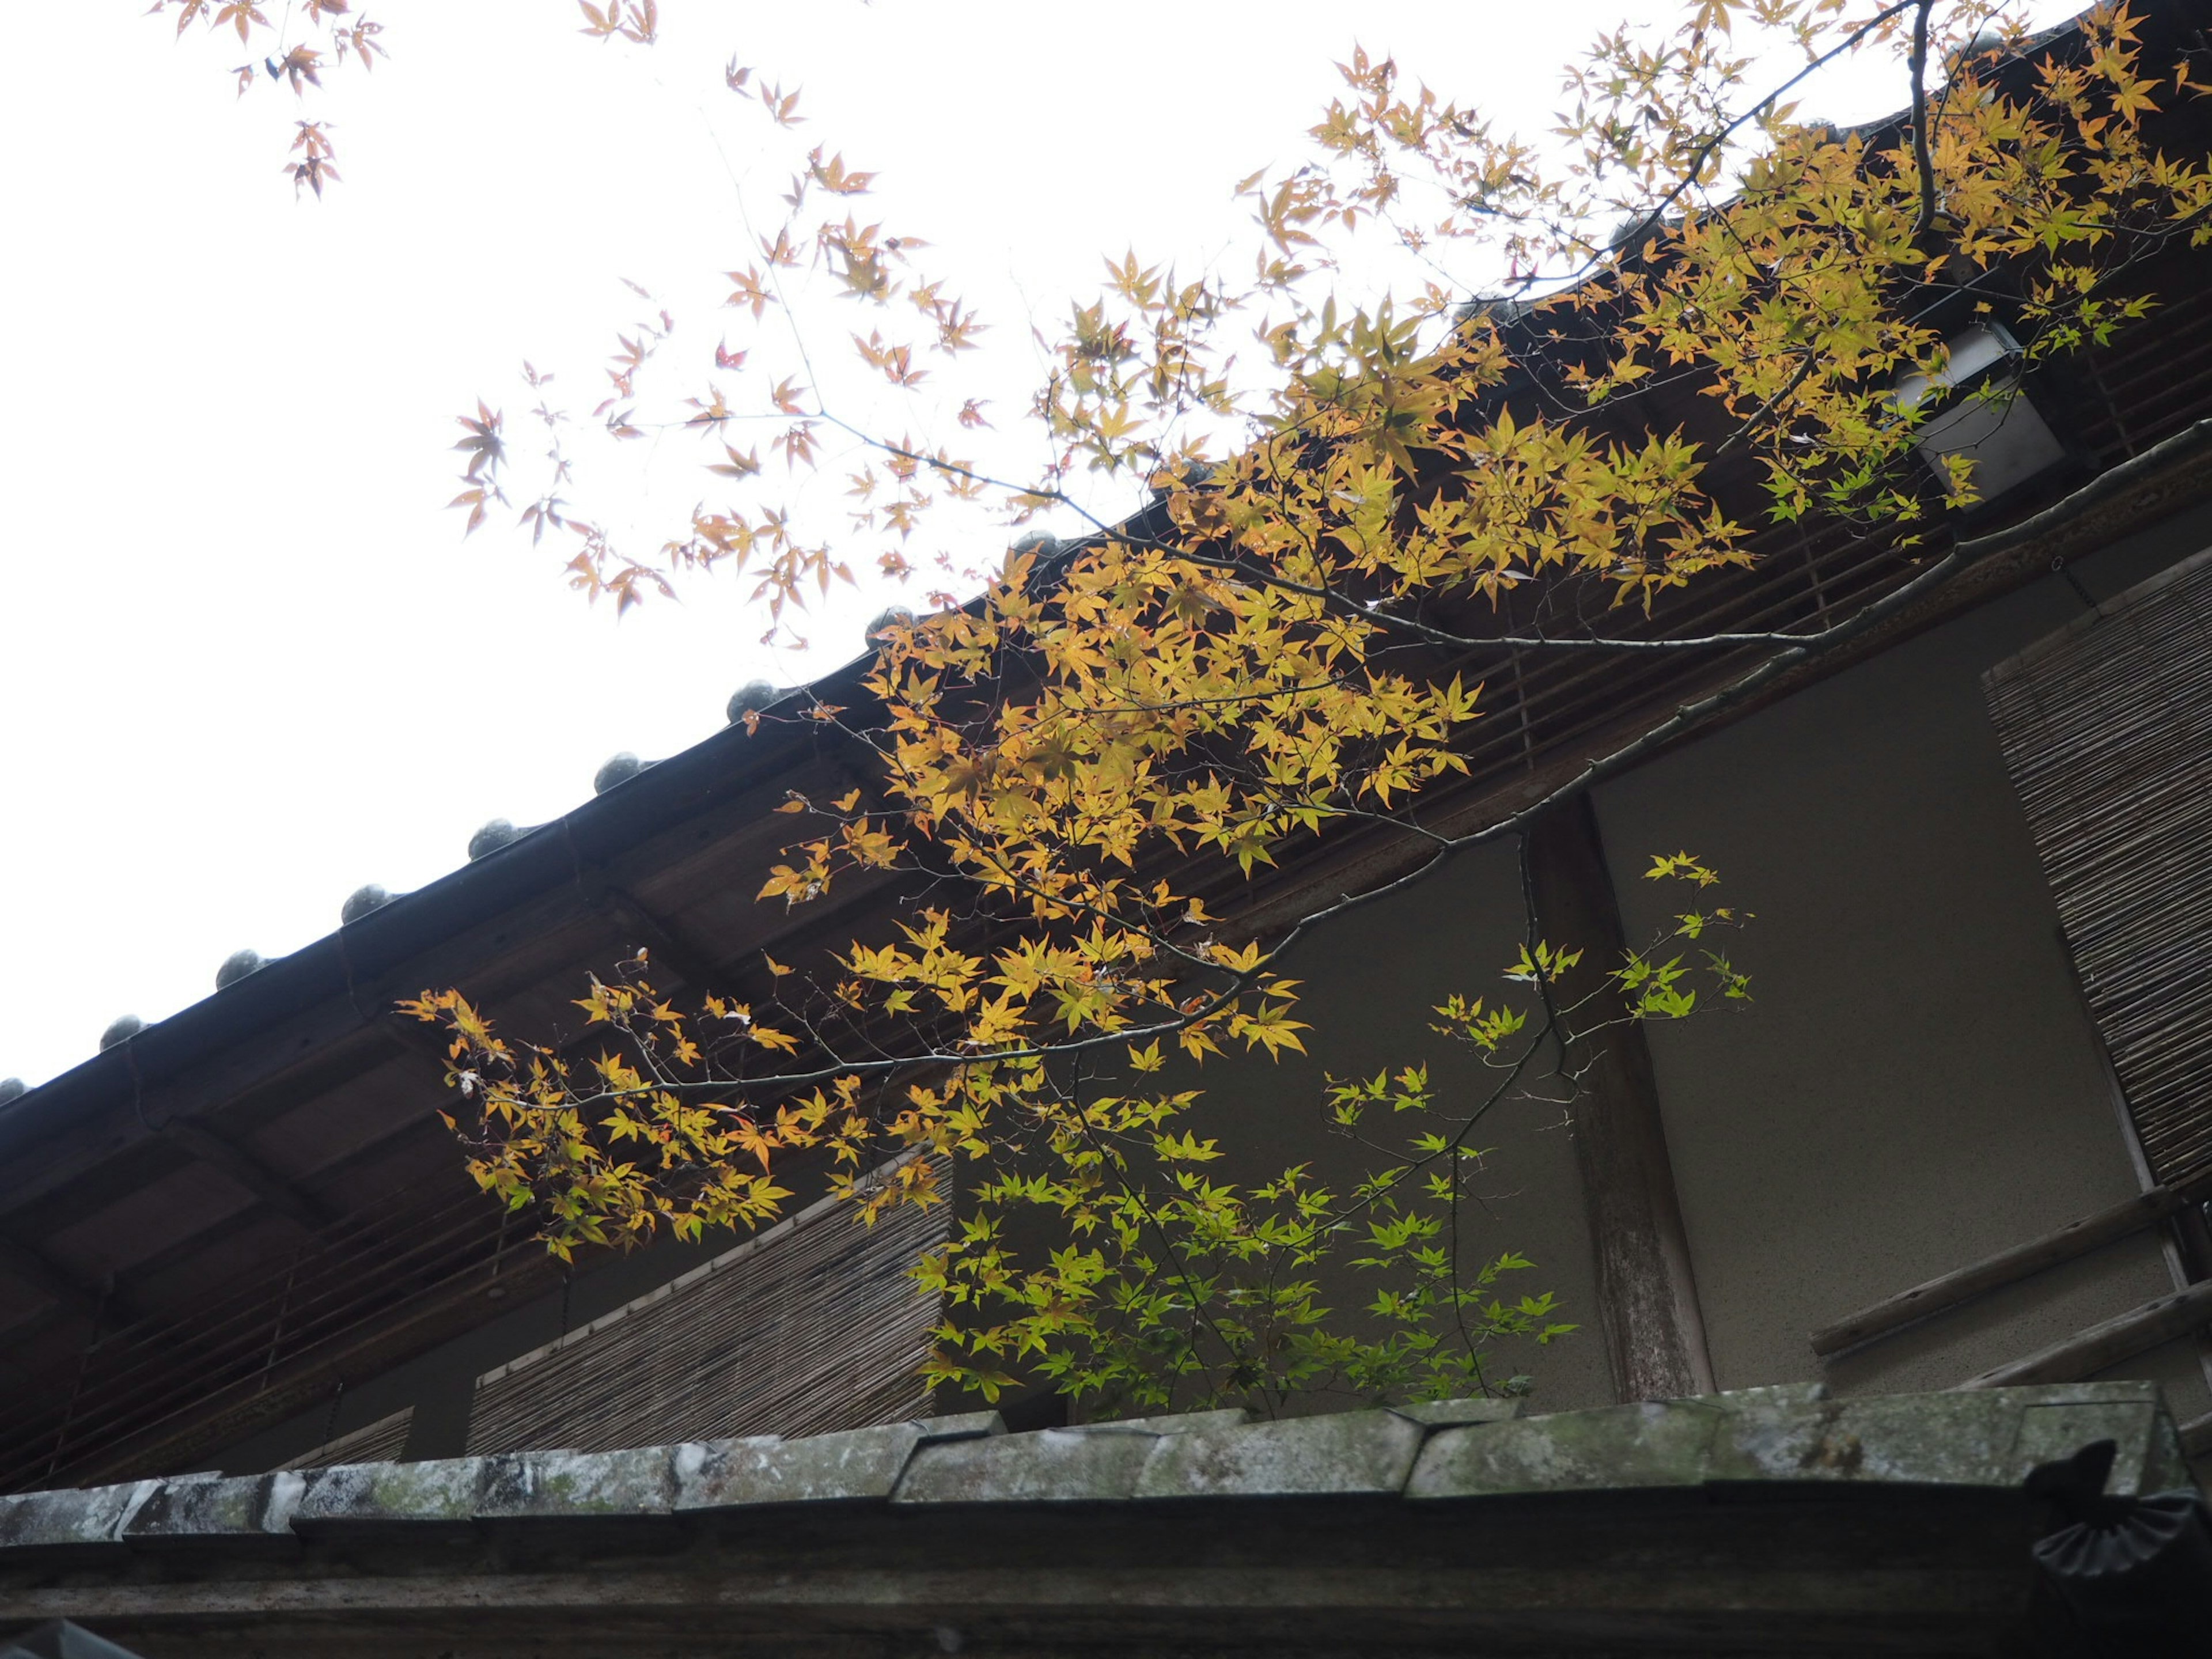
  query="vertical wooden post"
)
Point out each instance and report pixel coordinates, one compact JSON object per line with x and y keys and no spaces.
{"x":1654,"y":1336}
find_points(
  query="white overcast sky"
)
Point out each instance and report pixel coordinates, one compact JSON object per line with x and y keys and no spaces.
{"x":247,"y":662}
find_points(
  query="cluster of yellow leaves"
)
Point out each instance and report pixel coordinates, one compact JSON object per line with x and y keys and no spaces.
{"x":1111,"y":735}
{"x":613,"y":1147}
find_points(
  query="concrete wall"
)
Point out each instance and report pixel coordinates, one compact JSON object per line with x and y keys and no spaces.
{"x":1916,"y":1084}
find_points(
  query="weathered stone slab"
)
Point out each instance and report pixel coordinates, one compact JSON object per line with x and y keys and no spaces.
{"x":2165,"y":1466}
{"x":446,"y":1490}
{"x":1351,"y":1452}
{"x":82,"y":1518}
{"x":1450,"y":1413}
{"x":960,"y":1426}
{"x":2146,"y":1460}
{"x":1052,"y":1466}
{"x":573,"y":1486}
{"x":1770,"y":1433}
{"x":854,"y":1465}
{"x":1227,"y":1417}
{"x":1650,"y":1443}
{"x":184,"y":1511}
{"x":1797,"y":1432}
{"x":1980,"y":1438}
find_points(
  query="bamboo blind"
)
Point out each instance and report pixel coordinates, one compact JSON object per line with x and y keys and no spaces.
{"x":2107,"y":732}
{"x":813,"y":1325}
{"x":380,"y":1442}
{"x":161,"y":1369}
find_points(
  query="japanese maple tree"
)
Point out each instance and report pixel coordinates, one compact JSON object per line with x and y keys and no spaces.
{"x":1078,"y":748}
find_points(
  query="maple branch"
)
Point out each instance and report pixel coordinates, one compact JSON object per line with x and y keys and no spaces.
{"x":1435,"y":635}
{"x":1167,"y":1242}
{"x":1922,"y":157}
{"x":1026,"y":814}
{"x":1800,"y":650}
{"x":1533,"y":938}
{"x":1240,"y":981}
{"x":1705,"y":151}
{"x":1347,"y":607}
{"x":1963,"y":555}
{"x":1074,"y":905}
{"x":1690,"y":716}
{"x":1765,"y":410}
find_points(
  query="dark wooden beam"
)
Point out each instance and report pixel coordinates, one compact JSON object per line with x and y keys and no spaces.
{"x":2196,"y":1436}
{"x":419,"y":1040}
{"x":132,"y":1285}
{"x":1947,"y":1291}
{"x":247,"y":1172}
{"x":2106,"y":1343}
{"x":647,"y":931}
{"x":27,"y":1267}
{"x":1654,"y":1334}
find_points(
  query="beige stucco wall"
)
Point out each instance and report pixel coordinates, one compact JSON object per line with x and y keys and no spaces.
{"x":1370,"y":982}
{"x":1917,"y":1085}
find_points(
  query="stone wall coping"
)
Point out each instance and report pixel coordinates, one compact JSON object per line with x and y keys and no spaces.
{"x":1452,"y":1451}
